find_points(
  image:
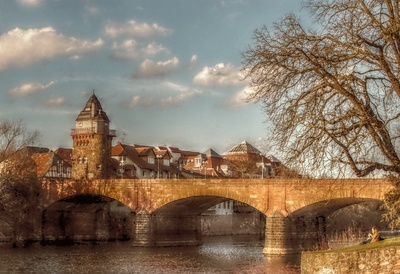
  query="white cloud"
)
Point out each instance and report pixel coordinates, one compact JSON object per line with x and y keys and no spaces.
{"x":219,"y":75}
{"x":150,"y":68}
{"x":55,"y":101}
{"x":239,"y":98}
{"x":153,"y":49}
{"x":75,"y":57}
{"x":137,"y":29}
{"x":92,"y":9}
{"x":30,"y":3}
{"x":129,"y":49}
{"x":126,"y":49}
{"x":23,"y":47}
{"x":30,"y":88}
{"x":139,"y":101}
{"x":171,"y":86}
{"x":173,"y":100}
{"x":177,"y":94}
{"x":179,"y":98}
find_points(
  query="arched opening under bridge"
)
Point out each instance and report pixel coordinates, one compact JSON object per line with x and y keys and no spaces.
{"x":86,"y":218}
{"x":186,"y":221}
{"x":330,"y":223}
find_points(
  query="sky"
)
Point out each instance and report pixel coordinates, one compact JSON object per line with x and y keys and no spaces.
{"x":167,"y":72}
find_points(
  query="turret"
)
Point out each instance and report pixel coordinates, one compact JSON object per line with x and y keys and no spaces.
{"x":92,"y":142}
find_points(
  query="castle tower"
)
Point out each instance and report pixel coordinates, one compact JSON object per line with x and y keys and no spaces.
{"x":92,"y":142}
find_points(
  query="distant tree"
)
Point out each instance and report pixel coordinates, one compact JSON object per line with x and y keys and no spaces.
{"x":332,"y":93}
{"x":241,"y":168}
{"x":19,"y":188}
{"x":392,"y":203}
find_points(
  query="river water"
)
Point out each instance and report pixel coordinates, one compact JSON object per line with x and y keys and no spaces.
{"x":241,"y":254}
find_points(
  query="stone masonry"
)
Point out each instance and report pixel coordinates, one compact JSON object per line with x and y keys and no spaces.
{"x":295,"y":208}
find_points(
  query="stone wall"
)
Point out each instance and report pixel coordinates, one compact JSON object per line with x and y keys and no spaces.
{"x":376,"y":260}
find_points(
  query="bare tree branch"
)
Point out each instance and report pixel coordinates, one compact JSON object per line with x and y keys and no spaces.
{"x":332,"y":93}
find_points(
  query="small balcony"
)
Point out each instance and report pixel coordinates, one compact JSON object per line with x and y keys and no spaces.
{"x":91,"y":130}
{"x":86,"y":130}
{"x":112,"y":132}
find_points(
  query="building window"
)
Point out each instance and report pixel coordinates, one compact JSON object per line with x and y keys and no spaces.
{"x":166,"y":162}
{"x":122,"y":158}
{"x":197,"y":162}
{"x":150,"y":160}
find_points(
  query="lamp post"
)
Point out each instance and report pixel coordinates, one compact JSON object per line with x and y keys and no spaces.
{"x":158,"y":170}
{"x":262,"y":166}
{"x":205,"y":168}
{"x":60,"y":168}
{"x":122,"y":164}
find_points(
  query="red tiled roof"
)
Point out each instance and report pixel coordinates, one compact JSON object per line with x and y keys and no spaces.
{"x":132,"y":153}
{"x":64,"y":153}
{"x":44,"y":161}
{"x":143,"y":150}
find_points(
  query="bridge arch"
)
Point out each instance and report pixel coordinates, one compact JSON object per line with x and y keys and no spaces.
{"x":190,"y":205}
{"x":201,"y":201}
{"x":181,"y":221}
{"x":344,"y":215}
{"x":326,"y":207}
{"x":315,"y":225}
{"x":86,"y":217}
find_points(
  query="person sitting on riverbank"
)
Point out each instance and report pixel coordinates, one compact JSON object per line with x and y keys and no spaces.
{"x":373,"y":237}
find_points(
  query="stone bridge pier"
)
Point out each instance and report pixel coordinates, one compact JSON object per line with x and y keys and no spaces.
{"x":166,"y":230}
{"x":287,"y":235}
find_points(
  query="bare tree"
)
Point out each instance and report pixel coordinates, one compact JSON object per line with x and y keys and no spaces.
{"x":19,"y":188}
{"x":332,"y":93}
{"x":244,"y":168}
{"x":391,"y":203}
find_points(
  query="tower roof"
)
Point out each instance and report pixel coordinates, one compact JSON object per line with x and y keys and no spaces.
{"x":244,"y":148}
{"x":211,"y":153}
{"x":93,"y":110}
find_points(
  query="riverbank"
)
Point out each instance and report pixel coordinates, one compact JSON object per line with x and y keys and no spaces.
{"x":379,"y":257}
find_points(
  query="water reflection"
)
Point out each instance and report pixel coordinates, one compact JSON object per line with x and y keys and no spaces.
{"x":217,"y":255}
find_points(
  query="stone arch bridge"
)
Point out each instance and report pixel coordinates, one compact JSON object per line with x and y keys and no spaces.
{"x":167,"y":212}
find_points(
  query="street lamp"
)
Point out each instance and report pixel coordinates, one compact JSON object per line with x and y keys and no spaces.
{"x":205,"y":168}
{"x":262,"y":166}
{"x":122,"y":169}
{"x":60,"y":168}
{"x":158,"y":170}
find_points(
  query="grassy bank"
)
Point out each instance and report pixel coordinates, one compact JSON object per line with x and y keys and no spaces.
{"x":385,"y":243}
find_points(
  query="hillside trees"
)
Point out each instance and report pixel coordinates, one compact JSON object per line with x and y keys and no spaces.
{"x":332,"y":93}
{"x":19,"y":188}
